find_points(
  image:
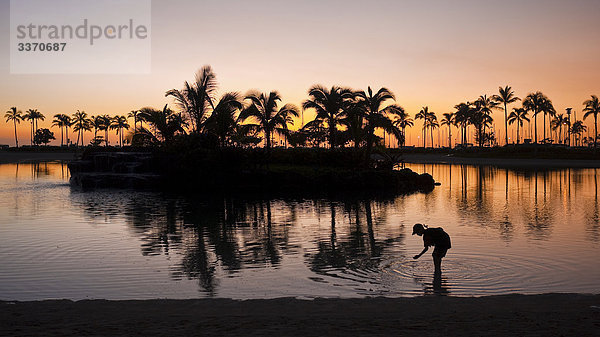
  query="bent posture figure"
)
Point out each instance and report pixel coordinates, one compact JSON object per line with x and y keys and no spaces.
{"x":433,"y":237}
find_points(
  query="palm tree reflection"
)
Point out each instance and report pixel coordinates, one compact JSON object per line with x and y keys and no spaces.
{"x":349,"y":256}
{"x":593,"y":223}
{"x":208,"y":238}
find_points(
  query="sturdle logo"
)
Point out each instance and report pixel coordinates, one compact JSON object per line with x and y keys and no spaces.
{"x":80,"y":36}
{"x":83,"y":31}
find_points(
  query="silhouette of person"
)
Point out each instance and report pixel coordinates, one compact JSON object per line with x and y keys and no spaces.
{"x":433,"y":237}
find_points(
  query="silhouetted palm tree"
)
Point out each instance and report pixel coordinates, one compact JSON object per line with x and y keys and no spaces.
{"x":537,"y":102}
{"x":518,"y":115}
{"x":462,"y":118}
{"x":534,"y":102}
{"x":481,"y":117}
{"x":81,"y":123}
{"x":33,"y":115}
{"x":424,"y":114}
{"x":432,"y":124}
{"x":68,"y":122}
{"x":549,"y":112}
{"x":196,"y":99}
{"x":592,"y":108}
{"x":557,"y":123}
{"x":103,"y":124}
{"x":134,"y":114}
{"x":403,"y":121}
{"x":577,"y":129}
{"x":119,"y":123}
{"x":61,"y":121}
{"x":449,"y":121}
{"x":317,"y":133}
{"x":506,"y":96}
{"x":27,"y":117}
{"x":376,"y":116}
{"x":353,"y":121}
{"x":263,"y":109}
{"x":244,"y":135}
{"x":330,"y":106}
{"x":97,"y":123}
{"x":16,"y":117}
{"x":36,"y":116}
{"x":222,"y":121}
{"x":165,"y":122}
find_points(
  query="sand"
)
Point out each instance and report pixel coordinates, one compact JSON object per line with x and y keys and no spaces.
{"x":23,"y":157}
{"x":517,"y":315}
{"x":501,"y":162}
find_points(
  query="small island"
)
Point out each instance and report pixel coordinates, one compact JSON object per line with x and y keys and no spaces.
{"x":279,"y":171}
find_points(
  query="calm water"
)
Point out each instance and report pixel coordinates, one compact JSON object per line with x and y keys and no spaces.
{"x":512,"y":231}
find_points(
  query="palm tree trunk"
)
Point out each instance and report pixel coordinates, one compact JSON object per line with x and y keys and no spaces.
{"x":449,"y":136}
{"x":535,"y":127}
{"x":61,"y":136}
{"x":16,"y":139}
{"x":331,"y":135}
{"x":544,"y":139}
{"x":370,"y":134}
{"x":506,"y":123}
{"x":481,"y":132}
{"x":595,"y":130}
{"x":517,"y":132}
{"x":431,"y":134}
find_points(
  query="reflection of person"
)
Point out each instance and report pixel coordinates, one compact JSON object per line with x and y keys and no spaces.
{"x":433,"y":237}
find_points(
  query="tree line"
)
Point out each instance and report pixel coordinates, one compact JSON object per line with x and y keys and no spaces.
{"x":343,"y":117}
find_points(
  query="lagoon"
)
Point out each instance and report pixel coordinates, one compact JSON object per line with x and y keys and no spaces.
{"x":513,"y":231}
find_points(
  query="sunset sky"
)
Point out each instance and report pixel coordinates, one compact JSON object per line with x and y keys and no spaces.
{"x":429,"y":53}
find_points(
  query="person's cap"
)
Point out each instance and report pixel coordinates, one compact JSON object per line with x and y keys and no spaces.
{"x":416,"y":227}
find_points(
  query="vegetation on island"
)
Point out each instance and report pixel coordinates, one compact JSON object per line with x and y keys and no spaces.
{"x":344,"y":117}
{"x":245,"y":135}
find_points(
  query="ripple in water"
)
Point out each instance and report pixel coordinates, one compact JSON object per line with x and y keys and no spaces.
{"x":481,"y":274}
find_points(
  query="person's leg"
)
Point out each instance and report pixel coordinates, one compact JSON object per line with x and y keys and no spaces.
{"x":437,"y":262}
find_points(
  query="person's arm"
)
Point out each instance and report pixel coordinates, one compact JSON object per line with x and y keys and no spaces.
{"x":421,"y":253}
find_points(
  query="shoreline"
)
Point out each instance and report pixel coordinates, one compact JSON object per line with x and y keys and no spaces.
{"x":546,"y":314}
{"x":26,"y":156}
{"x":410,"y":158}
{"x":500,"y":162}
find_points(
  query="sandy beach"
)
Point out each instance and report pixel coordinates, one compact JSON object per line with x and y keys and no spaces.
{"x":516,"y":315}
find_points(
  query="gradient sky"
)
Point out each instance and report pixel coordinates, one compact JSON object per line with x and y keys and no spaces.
{"x":434,"y":53}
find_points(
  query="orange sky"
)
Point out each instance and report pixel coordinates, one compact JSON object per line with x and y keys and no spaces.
{"x":427,"y":52}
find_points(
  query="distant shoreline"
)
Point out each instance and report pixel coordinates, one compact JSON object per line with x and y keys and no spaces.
{"x":518,"y":315}
{"x":11,"y":157}
{"x":433,"y":158}
{"x":7,"y":157}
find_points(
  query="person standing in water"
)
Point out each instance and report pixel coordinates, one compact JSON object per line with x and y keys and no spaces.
{"x":433,"y":237}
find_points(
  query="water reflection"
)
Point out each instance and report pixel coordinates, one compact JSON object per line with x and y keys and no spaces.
{"x":438,"y":286}
{"x":350,"y":245}
{"x":360,"y":251}
{"x":506,"y":198}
